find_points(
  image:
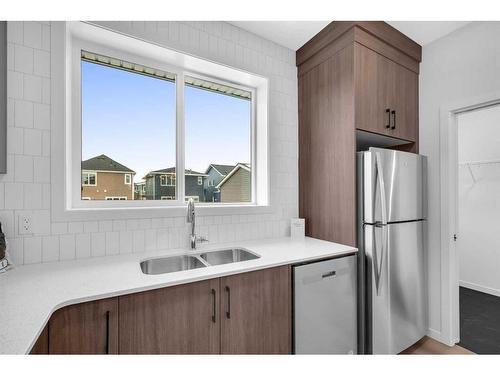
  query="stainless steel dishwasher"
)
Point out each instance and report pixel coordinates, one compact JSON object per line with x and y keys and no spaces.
{"x":325,"y":306}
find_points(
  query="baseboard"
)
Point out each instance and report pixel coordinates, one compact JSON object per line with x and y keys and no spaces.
{"x":480,"y":288}
{"x":436,"y":335}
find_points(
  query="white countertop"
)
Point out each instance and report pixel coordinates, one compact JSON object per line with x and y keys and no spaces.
{"x":30,"y":294}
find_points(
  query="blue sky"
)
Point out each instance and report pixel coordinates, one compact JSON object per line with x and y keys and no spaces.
{"x":131,"y":118}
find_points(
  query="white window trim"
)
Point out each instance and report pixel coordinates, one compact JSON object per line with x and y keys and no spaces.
{"x":88,"y":173}
{"x":166,"y":179}
{"x":166,"y":198}
{"x":129,"y":175}
{"x":196,"y":198}
{"x":200,"y":181}
{"x":67,"y":39}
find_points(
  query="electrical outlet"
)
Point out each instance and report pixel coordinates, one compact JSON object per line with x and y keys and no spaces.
{"x":25,"y":224}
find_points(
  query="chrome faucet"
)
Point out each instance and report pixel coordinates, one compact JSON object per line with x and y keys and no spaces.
{"x":191,"y":218}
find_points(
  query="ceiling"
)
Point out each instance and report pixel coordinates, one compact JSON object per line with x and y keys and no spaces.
{"x":293,"y":34}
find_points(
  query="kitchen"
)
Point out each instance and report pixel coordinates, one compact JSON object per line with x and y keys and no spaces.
{"x":303,"y":217}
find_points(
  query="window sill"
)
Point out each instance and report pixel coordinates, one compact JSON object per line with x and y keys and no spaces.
{"x":84,"y":214}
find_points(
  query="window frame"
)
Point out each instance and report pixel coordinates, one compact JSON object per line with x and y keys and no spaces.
{"x":68,"y":39}
{"x":129,"y":175}
{"x":88,"y":173}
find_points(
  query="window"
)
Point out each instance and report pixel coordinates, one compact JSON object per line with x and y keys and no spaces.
{"x":116,"y":198}
{"x":135,"y":107}
{"x":219,"y":115}
{"x":167,"y":180}
{"x":89,"y":179}
{"x":128,"y":121}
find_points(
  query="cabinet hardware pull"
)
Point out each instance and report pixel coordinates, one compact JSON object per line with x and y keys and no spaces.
{"x":107,"y":332}
{"x":228,"y":310}
{"x":388,"y":111}
{"x":393,"y":120}
{"x":213,"y":305}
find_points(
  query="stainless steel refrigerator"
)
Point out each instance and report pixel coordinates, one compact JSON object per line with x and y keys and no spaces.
{"x":392,"y":207}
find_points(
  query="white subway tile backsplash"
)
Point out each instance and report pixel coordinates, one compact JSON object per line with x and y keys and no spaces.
{"x":112,"y":243}
{"x":82,"y":245}
{"x":41,"y":116}
{"x":15,"y":141}
{"x":67,"y":247}
{"x":26,"y":186}
{"x":15,"y":85}
{"x":50,"y":249}
{"x":23,"y":114}
{"x":32,"y":88}
{"x":42,"y":63}
{"x":32,"y":250}
{"x":98,"y":244}
{"x":33,"y":34}
{"x":32,"y":142}
{"x":23,"y":168}
{"x":15,"y":32}
{"x":23,"y":59}
{"x":32,"y":196}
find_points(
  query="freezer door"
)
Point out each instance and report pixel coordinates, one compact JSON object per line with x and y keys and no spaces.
{"x":397,"y":311}
{"x":325,"y":307}
{"x":403,"y":177}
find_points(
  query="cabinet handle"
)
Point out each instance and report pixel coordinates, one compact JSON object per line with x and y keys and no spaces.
{"x":388,"y":111}
{"x":228,"y":309}
{"x":393,"y":113}
{"x":213,"y":305}
{"x":107,"y":332}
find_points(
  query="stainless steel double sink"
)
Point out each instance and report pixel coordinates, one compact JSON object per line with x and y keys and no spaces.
{"x":184,"y":262}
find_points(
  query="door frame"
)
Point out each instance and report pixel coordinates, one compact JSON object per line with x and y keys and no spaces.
{"x":450,"y":308}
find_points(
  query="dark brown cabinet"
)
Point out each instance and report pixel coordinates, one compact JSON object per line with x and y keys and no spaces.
{"x":181,"y":319}
{"x":256,"y":312}
{"x":41,"y":345}
{"x":248,"y":313}
{"x":386,"y":95}
{"x":85,"y":328}
{"x":357,"y":80}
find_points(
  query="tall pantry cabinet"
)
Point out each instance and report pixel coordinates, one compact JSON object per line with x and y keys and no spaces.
{"x":356,"y":80}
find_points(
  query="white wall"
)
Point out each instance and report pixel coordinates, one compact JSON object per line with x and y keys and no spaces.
{"x":461,"y":65}
{"x":479,"y":200}
{"x":26,"y":187}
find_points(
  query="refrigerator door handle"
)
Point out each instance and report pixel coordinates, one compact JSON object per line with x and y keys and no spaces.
{"x":377,"y":264}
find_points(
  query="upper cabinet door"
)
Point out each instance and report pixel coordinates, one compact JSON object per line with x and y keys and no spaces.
{"x":181,"y":319}
{"x":405,"y":118}
{"x":256,"y":312}
{"x":375,"y":80}
{"x":85,"y":328}
{"x":386,"y":98}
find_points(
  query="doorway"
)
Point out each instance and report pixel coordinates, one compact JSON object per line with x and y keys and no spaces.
{"x":478,"y":223}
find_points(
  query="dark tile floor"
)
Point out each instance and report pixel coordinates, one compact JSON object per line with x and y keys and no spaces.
{"x":479,"y":322}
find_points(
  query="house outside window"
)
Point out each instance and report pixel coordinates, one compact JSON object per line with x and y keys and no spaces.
{"x":128,"y":179}
{"x":200,"y":180}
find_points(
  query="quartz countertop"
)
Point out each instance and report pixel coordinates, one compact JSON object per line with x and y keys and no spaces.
{"x":30,"y":294}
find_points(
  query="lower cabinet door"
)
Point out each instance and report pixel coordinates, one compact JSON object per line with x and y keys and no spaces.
{"x":41,"y":345}
{"x":85,"y":328}
{"x":181,"y":319}
{"x":256,"y":312}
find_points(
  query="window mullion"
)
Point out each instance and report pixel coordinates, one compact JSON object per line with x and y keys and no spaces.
{"x":180,"y":163}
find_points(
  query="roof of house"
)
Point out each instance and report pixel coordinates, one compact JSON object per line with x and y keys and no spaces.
{"x":104,"y":163}
{"x":223,"y":169}
{"x":188,"y":172}
{"x":244,"y":166}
